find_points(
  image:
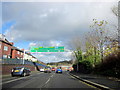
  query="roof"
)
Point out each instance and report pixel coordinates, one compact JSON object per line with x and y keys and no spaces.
{"x":5,"y":42}
{"x":17,"y":49}
{"x":3,"y":39}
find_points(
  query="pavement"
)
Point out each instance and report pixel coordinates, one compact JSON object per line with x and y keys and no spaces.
{"x":45,"y":81}
{"x":98,"y":81}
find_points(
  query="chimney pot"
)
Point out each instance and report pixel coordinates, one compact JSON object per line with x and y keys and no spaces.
{"x":12,"y":43}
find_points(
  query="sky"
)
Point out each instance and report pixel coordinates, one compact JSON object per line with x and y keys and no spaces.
{"x":51,"y":24}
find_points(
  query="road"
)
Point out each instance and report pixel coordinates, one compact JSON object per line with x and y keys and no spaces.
{"x":44,"y":80}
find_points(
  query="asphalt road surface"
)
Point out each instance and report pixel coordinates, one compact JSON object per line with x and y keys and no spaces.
{"x":44,"y":80}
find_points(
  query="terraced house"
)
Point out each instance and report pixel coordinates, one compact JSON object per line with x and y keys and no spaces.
{"x":5,"y":47}
{"x":8,"y":50}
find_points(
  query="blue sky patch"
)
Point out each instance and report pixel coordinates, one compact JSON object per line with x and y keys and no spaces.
{"x":7,"y":26}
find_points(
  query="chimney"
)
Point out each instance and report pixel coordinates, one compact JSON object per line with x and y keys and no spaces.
{"x":11,"y":43}
{"x":22,"y":50}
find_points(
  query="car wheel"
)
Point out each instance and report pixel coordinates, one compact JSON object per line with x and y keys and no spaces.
{"x":24,"y":74}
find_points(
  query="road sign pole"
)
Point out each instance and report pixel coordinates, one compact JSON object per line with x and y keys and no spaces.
{"x":23,"y":56}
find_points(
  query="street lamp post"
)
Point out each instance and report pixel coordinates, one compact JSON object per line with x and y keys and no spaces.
{"x":23,"y":57}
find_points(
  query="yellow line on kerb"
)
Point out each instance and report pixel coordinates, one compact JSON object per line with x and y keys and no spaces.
{"x":89,"y":85}
{"x":86,"y":83}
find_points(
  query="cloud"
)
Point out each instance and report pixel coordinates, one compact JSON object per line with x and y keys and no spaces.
{"x":60,"y":0}
{"x":32,"y":44}
{"x":7,"y":25}
{"x":56,"y":43}
{"x":52,"y":56}
{"x":43,"y":15}
{"x":53,"y":23}
{"x":0,"y":16}
{"x":46,"y":21}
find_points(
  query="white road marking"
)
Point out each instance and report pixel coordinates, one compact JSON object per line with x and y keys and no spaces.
{"x":76,"y":76}
{"x":51,"y":76}
{"x":91,"y":82}
{"x":97,"y":84}
{"x":47,"y":81}
{"x":13,"y":80}
{"x":17,"y":79}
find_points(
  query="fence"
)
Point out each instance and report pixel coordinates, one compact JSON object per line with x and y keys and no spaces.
{"x":40,"y":65}
{"x":16,"y":61}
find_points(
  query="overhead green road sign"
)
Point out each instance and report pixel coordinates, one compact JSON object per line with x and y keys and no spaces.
{"x":47,"y":49}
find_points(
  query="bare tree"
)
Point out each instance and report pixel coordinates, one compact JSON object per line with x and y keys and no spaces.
{"x":77,"y":46}
{"x":116,"y":12}
{"x":98,"y":36}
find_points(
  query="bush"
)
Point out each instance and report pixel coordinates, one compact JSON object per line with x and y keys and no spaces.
{"x":83,"y":67}
{"x":86,"y":66}
{"x":110,"y":66}
{"x":75,"y":67}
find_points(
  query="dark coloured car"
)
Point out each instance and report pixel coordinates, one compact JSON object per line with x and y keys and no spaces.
{"x":20,"y":71}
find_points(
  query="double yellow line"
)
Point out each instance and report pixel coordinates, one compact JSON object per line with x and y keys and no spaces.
{"x":91,"y":84}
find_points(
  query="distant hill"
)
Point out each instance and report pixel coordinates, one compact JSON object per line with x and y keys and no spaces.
{"x":61,"y":63}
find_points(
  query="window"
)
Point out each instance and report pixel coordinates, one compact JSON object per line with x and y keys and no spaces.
{"x":21,"y":53}
{"x":5,"y":48}
{"x":4,"y":56}
{"x":0,"y":45}
{"x":8,"y":56}
{"x":18,"y":52}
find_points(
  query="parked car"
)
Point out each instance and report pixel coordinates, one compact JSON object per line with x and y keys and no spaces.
{"x":59,"y":70}
{"x":67,"y":69}
{"x":53,"y":68}
{"x":20,"y":71}
{"x":42,"y":70}
{"x":47,"y":70}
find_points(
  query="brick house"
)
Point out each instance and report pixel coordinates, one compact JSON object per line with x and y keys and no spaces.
{"x":5,"y":47}
{"x":29,"y":57}
{"x":17,"y":53}
{"x":7,"y":50}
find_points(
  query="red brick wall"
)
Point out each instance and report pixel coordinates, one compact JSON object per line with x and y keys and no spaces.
{"x":0,"y":49}
{"x":15,"y":54}
{"x":3,"y":52}
{"x":8,"y":52}
{"x":6,"y":69}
